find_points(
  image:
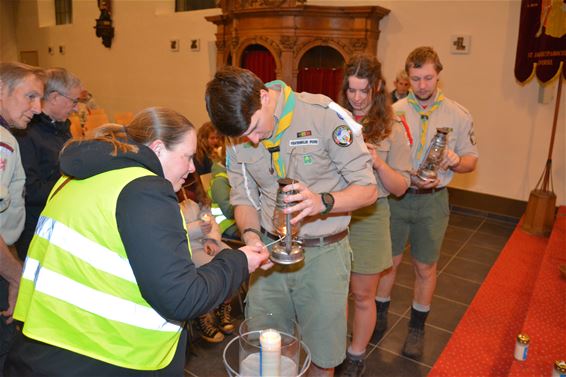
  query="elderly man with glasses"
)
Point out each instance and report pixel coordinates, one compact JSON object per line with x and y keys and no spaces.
{"x":41,"y":143}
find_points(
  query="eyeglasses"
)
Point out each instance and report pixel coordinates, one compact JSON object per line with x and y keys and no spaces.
{"x":73,"y":100}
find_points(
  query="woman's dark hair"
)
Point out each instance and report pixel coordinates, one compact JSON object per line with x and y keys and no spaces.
{"x":232,"y":97}
{"x":377,"y":122}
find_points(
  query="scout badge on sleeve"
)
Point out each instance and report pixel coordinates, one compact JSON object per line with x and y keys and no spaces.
{"x":343,"y":136}
{"x":355,"y":127}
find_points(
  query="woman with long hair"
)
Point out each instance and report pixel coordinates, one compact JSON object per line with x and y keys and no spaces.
{"x":208,"y":148}
{"x":364,"y":94}
{"x":108,"y":280}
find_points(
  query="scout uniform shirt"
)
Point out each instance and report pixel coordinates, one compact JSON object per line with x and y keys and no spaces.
{"x":12,"y":180}
{"x":450,"y":114}
{"x":318,"y":149}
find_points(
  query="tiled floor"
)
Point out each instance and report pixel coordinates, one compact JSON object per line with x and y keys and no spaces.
{"x":471,"y":245}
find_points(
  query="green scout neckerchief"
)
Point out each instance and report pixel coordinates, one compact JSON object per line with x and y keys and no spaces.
{"x":272,"y":144}
{"x":425,"y":115}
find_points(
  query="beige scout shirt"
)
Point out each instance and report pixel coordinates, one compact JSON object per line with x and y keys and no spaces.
{"x":449,"y":114}
{"x":395,"y":150}
{"x":310,"y":155}
{"x":12,"y":179}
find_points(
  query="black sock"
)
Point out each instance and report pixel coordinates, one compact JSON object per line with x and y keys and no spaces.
{"x":418,"y":319}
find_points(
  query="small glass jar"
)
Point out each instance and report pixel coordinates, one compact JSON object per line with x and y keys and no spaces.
{"x":521,"y":347}
{"x":559,"y":368}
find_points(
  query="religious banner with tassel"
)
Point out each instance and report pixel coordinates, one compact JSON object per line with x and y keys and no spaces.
{"x":541,"y":52}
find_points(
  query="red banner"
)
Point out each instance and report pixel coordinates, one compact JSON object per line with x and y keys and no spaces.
{"x":541,"y":48}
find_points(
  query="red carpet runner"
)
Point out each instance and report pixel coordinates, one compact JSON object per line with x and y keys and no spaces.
{"x":523,"y":292}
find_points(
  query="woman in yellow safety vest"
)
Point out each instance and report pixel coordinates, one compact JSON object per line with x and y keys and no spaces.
{"x":108,"y":280}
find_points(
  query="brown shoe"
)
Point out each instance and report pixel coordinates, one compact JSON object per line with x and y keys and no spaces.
{"x":209,"y":332}
{"x":224,"y":317}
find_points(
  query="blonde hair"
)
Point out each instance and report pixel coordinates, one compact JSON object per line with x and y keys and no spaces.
{"x":401,"y":76}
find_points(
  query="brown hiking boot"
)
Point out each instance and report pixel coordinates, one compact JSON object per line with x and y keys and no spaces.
{"x":414,"y":344}
{"x":224,"y":317}
{"x":209,"y":332}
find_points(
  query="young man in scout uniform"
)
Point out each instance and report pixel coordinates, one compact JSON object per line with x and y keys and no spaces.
{"x":312,"y":140}
{"x":421,"y":215}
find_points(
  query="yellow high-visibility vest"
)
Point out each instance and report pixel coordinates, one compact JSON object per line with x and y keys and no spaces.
{"x":78,"y":290}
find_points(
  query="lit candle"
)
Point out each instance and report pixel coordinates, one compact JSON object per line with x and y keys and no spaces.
{"x":270,"y":342}
{"x":205,"y":217}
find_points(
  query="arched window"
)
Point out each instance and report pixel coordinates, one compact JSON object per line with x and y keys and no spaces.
{"x":259,"y":60}
{"x":321,"y":71}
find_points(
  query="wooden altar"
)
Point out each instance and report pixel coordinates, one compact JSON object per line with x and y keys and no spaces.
{"x":289,"y":29}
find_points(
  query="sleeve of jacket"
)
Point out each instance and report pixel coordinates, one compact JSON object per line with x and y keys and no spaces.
{"x":220,"y":191}
{"x":151,"y":228}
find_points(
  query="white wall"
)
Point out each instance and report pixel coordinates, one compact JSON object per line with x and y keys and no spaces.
{"x":513,"y":129}
{"x":8,"y":47}
{"x":138,"y":71}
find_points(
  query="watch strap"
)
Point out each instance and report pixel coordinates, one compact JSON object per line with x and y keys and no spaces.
{"x":253,"y":230}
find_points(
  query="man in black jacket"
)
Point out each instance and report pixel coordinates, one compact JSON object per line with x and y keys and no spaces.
{"x":41,"y":143}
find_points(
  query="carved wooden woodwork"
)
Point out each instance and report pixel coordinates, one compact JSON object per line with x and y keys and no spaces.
{"x":290,"y":28}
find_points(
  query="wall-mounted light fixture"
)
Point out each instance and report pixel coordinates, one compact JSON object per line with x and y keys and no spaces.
{"x":104,"y":28}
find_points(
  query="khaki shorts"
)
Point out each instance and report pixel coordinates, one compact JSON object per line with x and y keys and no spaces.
{"x":370,"y":238}
{"x":314,"y":293}
{"x":422,"y":221}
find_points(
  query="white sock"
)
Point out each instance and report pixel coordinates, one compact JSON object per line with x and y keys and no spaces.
{"x":421,"y":308}
{"x":356,"y":355}
{"x":382,"y":299}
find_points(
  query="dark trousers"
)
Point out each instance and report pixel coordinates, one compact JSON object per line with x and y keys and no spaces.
{"x":7,"y":332}
{"x":32,"y":358}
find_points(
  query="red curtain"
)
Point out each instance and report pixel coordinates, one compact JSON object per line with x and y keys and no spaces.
{"x":325,"y":81}
{"x":261,"y":63}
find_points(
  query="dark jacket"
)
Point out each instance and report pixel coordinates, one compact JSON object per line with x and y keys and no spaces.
{"x":151,"y":228}
{"x":40,"y":145}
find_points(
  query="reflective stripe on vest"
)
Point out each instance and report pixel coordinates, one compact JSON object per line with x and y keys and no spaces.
{"x":222,"y":221}
{"x":78,"y":290}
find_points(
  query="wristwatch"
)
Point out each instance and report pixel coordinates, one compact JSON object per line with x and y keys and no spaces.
{"x":328,"y":201}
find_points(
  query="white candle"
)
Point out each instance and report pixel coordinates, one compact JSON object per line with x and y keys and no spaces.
{"x":270,"y":342}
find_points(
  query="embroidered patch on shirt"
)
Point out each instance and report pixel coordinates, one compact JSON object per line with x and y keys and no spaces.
{"x":6,"y":148}
{"x":304,"y":133}
{"x":307,"y":159}
{"x":342,"y":136}
{"x":299,"y":142}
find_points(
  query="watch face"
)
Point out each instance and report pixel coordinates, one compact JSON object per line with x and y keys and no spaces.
{"x":328,"y":199}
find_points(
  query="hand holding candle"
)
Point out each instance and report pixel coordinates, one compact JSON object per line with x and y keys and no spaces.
{"x":270,"y":342}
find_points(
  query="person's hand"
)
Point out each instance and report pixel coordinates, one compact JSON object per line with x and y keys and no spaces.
{"x":211,"y":247}
{"x":251,"y":238}
{"x":205,"y":226}
{"x":423,"y":184}
{"x":450,"y":159}
{"x":377,"y":161}
{"x":309,"y":203}
{"x":257,"y":256}
{"x":12,"y":296}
